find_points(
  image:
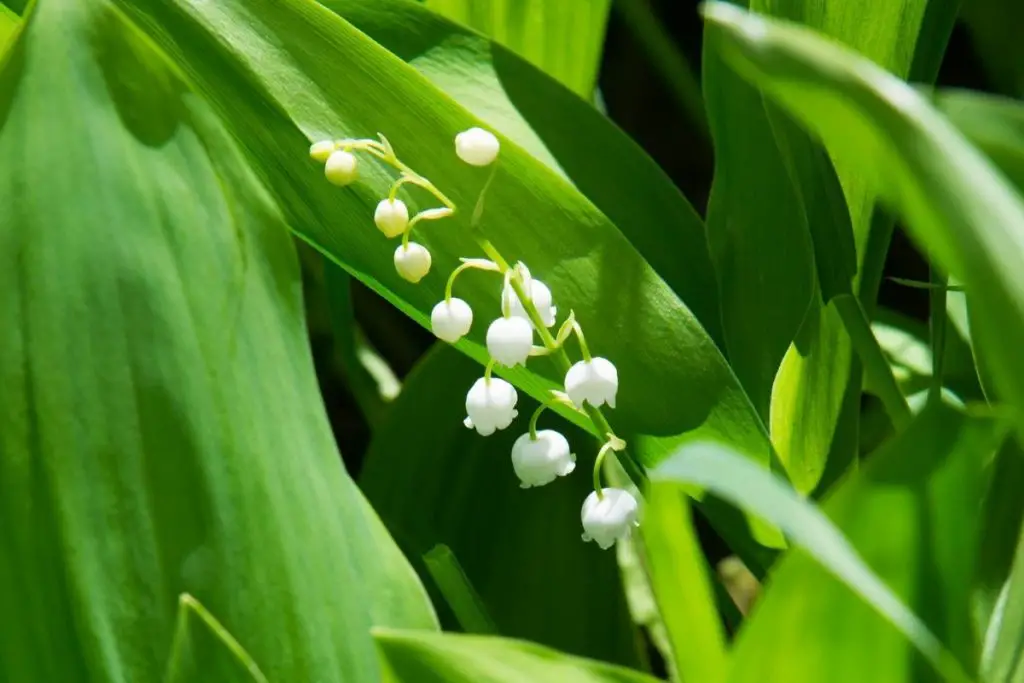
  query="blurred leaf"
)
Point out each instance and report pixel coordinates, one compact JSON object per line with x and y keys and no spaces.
{"x":1003,"y":657}
{"x":953,"y":201}
{"x":565,"y":39}
{"x":682,"y":588}
{"x":912,"y":512}
{"x":1002,"y":513}
{"x":460,"y":594}
{"x":161,"y":430}
{"x":994,"y":27}
{"x":994,"y":124}
{"x":9,"y":23}
{"x":270,"y":67}
{"x":418,"y":657}
{"x":560,"y":130}
{"x":434,"y":481}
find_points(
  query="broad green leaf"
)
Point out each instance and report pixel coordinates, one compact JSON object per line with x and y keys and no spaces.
{"x":434,"y":481}
{"x":836,"y":611}
{"x":418,"y":657}
{"x":9,"y":23}
{"x":565,"y":39}
{"x":270,"y":68}
{"x":757,"y":232}
{"x":682,"y":588}
{"x":561,"y":130}
{"x":912,"y":513}
{"x":955,"y":204}
{"x":161,"y":430}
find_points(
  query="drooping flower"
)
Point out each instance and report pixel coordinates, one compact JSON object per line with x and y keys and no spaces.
{"x":609,"y":518}
{"x":539,"y":294}
{"x":595,"y":381}
{"x":539,"y":461}
{"x":490,"y":405}
{"x":341,"y":167}
{"x":477,"y":146}
{"x":412,"y":261}
{"x":509,"y":341}
{"x":391,"y":217}
{"x":450,"y":320}
{"x":321,"y":150}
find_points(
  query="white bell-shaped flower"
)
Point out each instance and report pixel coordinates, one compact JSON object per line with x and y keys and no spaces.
{"x":391,"y":217}
{"x":341,"y":167}
{"x":490,"y":405}
{"x":539,"y":294}
{"x":477,"y":146}
{"x":609,"y":518}
{"x":509,"y":341}
{"x":539,"y":461}
{"x":412,"y":261}
{"x":450,"y":320}
{"x":321,"y":151}
{"x":595,"y":381}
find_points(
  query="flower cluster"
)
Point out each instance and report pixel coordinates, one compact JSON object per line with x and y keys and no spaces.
{"x":527,"y":309}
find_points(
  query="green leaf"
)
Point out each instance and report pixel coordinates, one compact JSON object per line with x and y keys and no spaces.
{"x":955,"y":204}
{"x":1003,"y":657}
{"x":994,"y":124}
{"x":162,"y":430}
{"x":561,"y":130}
{"x":270,"y":67}
{"x":417,"y":657}
{"x":564,"y":39}
{"x":434,"y":481}
{"x":911,"y":513}
{"x":682,"y":588}
{"x":460,"y":594}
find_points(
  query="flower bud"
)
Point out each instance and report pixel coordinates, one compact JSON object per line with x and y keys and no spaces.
{"x":610,"y":518}
{"x":320,"y":151}
{"x":539,"y":294}
{"x":595,"y":381}
{"x":450,"y":320}
{"x":341,"y":167}
{"x":509,"y":341}
{"x":391,"y":217}
{"x":477,"y":146}
{"x":539,"y":461}
{"x":490,"y":405}
{"x":412,"y":261}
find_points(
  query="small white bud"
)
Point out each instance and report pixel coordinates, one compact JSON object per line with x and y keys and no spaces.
{"x":320,"y":151}
{"x":477,"y":146}
{"x":450,"y":320}
{"x":609,"y":519}
{"x":412,"y":261}
{"x":595,"y":381}
{"x":391,"y":217}
{"x":509,"y":341}
{"x":341,"y":167}
{"x":490,"y":405}
{"x":538,"y":462}
{"x":539,"y":294}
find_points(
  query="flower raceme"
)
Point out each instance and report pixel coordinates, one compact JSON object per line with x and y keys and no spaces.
{"x":539,"y":457}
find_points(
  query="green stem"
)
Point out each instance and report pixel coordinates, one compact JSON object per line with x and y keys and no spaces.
{"x":584,"y":349}
{"x":937,"y":329}
{"x":402,"y":180}
{"x":876,"y":367}
{"x":598,"y":461}
{"x":488,"y":370}
{"x":186,"y":604}
{"x":533,"y":420}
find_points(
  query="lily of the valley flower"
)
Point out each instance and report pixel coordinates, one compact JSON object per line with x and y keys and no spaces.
{"x":539,"y":461}
{"x":477,"y":146}
{"x":539,"y":294}
{"x":391,"y":217}
{"x":450,"y":320}
{"x":609,"y":517}
{"x":509,"y":341}
{"x":595,"y":381}
{"x":412,"y":261}
{"x":341,"y":167}
{"x":320,"y":151}
{"x":490,"y":405}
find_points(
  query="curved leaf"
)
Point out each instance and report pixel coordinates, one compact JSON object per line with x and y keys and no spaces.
{"x":162,"y":430}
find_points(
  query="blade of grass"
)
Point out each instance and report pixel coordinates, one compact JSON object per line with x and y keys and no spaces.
{"x":457,"y":589}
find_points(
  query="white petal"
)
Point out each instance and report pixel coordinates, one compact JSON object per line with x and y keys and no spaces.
{"x":477,"y":146}
{"x":412,"y":261}
{"x":341,"y":167}
{"x":509,"y":341}
{"x":451,"y":320}
{"x":320,"y":151}
{"x":391,"y":217}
